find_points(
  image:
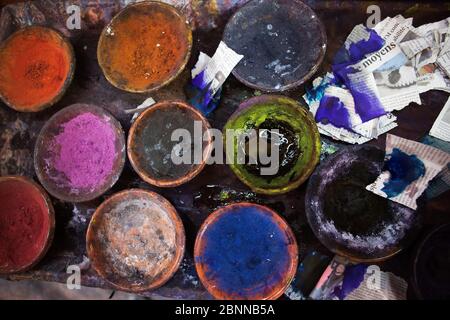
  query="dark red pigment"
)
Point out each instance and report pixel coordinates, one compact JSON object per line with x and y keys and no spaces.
{"x":24,"y":224}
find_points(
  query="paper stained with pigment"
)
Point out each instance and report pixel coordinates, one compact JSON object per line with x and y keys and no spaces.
{"x":409,"y":167}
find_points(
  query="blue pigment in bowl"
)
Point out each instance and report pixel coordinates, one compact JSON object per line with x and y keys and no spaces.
{"x":245,"y":251}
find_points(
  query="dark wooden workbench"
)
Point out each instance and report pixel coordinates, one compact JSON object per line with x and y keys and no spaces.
{"x":195,"y":200}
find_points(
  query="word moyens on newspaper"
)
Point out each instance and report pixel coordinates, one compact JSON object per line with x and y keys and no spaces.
{"x":377,"y":55}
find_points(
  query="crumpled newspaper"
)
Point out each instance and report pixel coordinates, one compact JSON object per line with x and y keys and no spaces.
{"x":344,"y":280}
{"x":378,"y":71}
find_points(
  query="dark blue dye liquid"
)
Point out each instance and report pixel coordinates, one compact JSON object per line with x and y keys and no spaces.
{"x":245,"y":253}
{"x":404,"y":170}
{"x":332,"y":110}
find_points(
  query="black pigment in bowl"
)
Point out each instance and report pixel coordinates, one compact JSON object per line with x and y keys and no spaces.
{"x":350,"y":220}
{"x":283,"y":43}
{"x":150,"y":143}
{"x":352,"y":208}
{"x":289,"y":149}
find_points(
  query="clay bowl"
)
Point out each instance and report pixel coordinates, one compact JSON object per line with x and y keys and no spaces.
{"x":150,"y":146}
{"x":245,"y":251}
{"x":37,"y":66}
{"x":145,"y":46}
{"x":62,"y":168}
{"x":283,"y":43}
{"x":350,"y":220}
{"x":39,"y":207}
{"x":295,"y":123}
{"x":431,"y":263}
{"x":135,"y":240}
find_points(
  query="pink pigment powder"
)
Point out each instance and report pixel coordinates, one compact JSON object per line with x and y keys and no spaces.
{"x":87,"y":150}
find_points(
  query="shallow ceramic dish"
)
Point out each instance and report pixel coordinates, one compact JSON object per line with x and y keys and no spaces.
{"x":39,"y":204}
{"x":298,"y":156}
{"x":150,"y":144}
{"x":145,"y":46}
{"x":136,"y":240}
{"x":245,"y":251}
{"x":37,"y":66}
{"x":49,"y":152}
{"x":283,"y":43}
{"x":350,"y":220}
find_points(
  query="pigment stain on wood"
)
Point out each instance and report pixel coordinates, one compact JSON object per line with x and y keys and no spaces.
{"x":283,"y":43}
{"x":37,"y":65}
{"x":245,"y":251}
{"x":144,"y":47}
{"x":136,"y":240}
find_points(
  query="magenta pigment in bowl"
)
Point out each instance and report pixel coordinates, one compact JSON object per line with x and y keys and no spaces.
{"x":80,"y":153}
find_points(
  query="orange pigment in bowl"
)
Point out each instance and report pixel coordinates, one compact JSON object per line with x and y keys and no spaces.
{"x":144,"y":47}
{"x":35,"y":63}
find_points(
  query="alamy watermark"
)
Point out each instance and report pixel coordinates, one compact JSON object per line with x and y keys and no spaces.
{"x":251,"y":147}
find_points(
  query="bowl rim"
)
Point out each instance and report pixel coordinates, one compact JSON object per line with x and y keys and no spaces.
{"x":281,"y":223}
{"x":436,"y":229}
{"x":354,"y":258}
{"x":166,"y":183}
{"x":51,"y":216}
{"x":251,"y":102}
{"x":181,"y":67}
{"x":298,"y":82}
{"x":179,"y":231}
{"x":69,"y":76}
{"x":120,"y":135}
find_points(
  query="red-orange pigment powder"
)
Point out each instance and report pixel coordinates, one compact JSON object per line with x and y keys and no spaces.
{"x":24,"y":224}
{"x":144,"y":46}
{"x":35,"y":64}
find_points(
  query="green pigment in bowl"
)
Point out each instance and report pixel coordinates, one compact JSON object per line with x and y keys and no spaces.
{"x":299,"y":143}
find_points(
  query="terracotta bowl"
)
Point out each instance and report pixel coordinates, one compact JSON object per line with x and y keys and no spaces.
{"x":136,"y":240}
{"x":37,"y":66}
{"x":245,"y":251}
{"x":283,"y":43}
{"x":299,"y":125}
{"x":431,"y":264}
{"x":48,"y":150}
{"x":150,"y":146}
{"x":350,"y":220}
{"x":29,"y":251}
{"x":145,"y":46}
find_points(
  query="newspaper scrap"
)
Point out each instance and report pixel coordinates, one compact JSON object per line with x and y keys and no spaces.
{"x":208,"y":76}
{"x":308,"y":273}
{"x":409,"y":167}
{"x":330,"y":279}
{"x":349,"y":127}
{"x":441,"y":183}
{"x":441,"y":127}
{"x":379,"y":285}
{"x":376,"y":72}
{"x":140,"y":108}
